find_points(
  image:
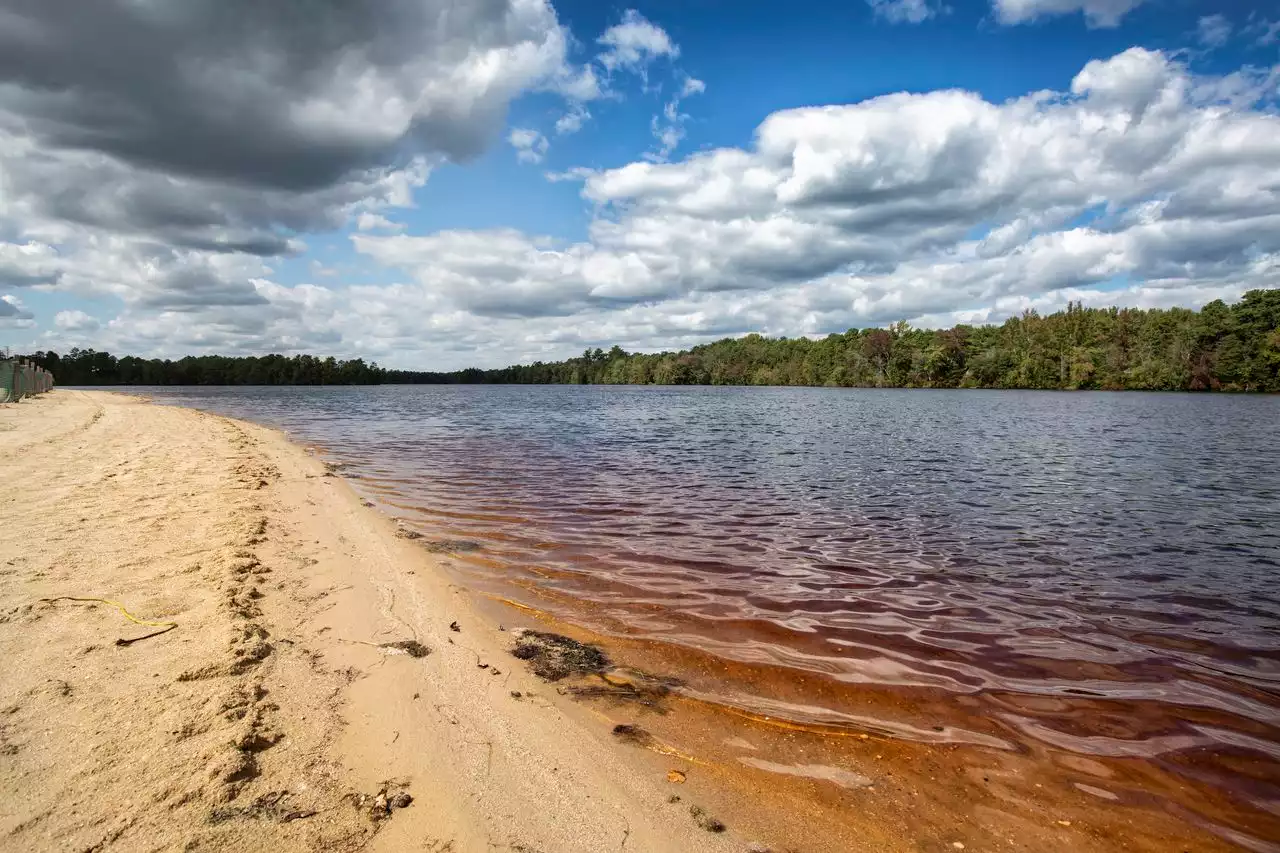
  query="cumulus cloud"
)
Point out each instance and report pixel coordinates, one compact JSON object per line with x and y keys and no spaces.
{"x":75,"y":321}
{"x":1097,"y":13}
{"x":867,"y":213}
{"x":140,"y":141}
{"x":631,"y":46}
{"x":634,"y":43}
{"x":27,"y":265}
{"x":328,"y":90}
{"x":1141,"y":184}
{"x":530,"y":145}
{"x":905,"y":11}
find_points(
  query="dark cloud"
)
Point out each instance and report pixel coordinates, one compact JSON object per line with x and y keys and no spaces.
{"x":287,"y":94}
{"x":195,"y":289}
{"x":142,"y":138}
{"x":12,"y":311}
{"x":13,"y":278}
{"x":183,"y":212}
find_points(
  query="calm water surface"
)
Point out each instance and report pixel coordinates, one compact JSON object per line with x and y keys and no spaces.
{"x":1042,"y":547}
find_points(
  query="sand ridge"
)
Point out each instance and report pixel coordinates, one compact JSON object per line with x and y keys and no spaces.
{"x":283,"y":713}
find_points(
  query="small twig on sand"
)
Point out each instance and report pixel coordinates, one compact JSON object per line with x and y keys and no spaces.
{"x":130,"y":641}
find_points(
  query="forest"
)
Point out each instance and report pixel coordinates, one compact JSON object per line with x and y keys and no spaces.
{"x":1221,"y":347}
{"x":81,"y":367}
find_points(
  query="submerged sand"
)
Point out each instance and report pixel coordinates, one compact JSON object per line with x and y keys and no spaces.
{"x":282,"y":713}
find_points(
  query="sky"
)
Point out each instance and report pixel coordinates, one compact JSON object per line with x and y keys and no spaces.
{"x":436,"y":184}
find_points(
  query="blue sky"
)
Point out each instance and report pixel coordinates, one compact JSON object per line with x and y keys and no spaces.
{"x":421,"y":195}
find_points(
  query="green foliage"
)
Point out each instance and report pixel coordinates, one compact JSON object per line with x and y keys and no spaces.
{"x":1221,"y":347}
{"x":87,"y":367}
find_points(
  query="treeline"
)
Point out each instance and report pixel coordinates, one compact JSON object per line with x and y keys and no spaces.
{"x":1220,"y":347}
{"x":89,"y":367}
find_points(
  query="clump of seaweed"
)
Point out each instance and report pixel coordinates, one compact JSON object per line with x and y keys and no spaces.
{"x":706,"y":821}
{"x":632,"y":734}
{"x":451,"y":546}
{"x":269,"y":807}
{"x":628,"y":686}
{"x":409,"y":647}
{"x":553,"y":657}
{"x":378,"y":807}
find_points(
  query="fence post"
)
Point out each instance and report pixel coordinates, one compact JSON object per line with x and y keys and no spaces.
{"x":6,"y":381}
{"x":21,"y":378}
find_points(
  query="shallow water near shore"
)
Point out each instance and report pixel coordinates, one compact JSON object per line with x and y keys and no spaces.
{"x":1095,"y":576}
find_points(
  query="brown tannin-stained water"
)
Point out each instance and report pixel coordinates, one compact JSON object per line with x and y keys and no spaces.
{"x":1021,"y":601}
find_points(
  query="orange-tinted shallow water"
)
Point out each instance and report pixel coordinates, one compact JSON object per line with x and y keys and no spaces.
{"x":1075,"y":593}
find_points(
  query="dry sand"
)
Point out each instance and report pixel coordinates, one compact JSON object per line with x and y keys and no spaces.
{"x":270,"y":718}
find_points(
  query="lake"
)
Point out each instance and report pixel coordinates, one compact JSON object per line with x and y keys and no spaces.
{"x":1092,"y":573}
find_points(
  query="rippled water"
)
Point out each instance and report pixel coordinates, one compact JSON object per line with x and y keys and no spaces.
{"x":1043,"y":547}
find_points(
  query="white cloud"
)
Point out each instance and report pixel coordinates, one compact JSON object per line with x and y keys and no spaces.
{"x":75,"y":321}
{"x":1140,"y":184}
{"x":28,"y":264}
{"x":866,"y":213}
{"x":631,"y":45}
{"x":530,"y":145}
{"x":577,"y":173}
{"x":367,"y":221}
{"x":668,"y":128}
{"x":1097,"y":13}
{"x":634,"y":43}
{"x":578,"y":85}
{"x":573,"y":120}
{"x":905,"y":11}
{"x":692,"y":86}
{"x":1213,"y":30}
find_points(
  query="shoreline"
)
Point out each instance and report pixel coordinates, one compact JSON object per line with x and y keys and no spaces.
{"x":1218,"y":392}
{"x":488,"y":768}
{"x":270,"y":718}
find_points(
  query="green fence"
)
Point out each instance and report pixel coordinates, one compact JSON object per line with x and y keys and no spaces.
{"x":20,"y":379}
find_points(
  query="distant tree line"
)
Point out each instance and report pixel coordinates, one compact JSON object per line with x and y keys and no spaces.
{"x":1221,"y":347}
{"x":89,"y":367}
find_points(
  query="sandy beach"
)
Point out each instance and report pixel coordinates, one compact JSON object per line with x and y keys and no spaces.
{"x":282,"y":712}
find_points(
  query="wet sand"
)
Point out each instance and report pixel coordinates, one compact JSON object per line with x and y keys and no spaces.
{"x":909,"y":769}
{"x":272,"y":717}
